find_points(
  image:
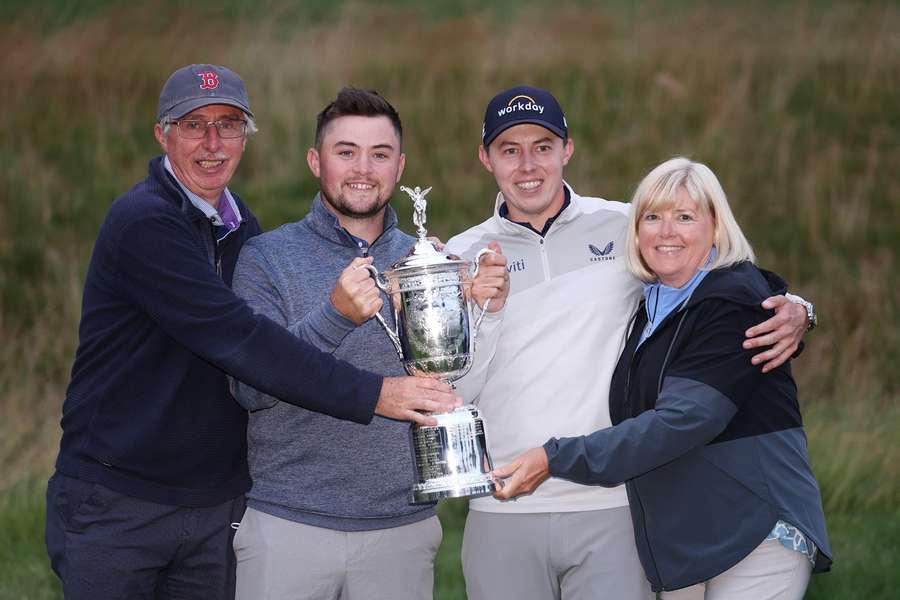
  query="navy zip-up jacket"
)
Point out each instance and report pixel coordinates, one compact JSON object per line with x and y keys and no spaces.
{"x":148,"y":411}
{"x":712,"y":450}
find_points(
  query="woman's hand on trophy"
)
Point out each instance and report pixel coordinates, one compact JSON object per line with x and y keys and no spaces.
{"x":492,"y":281}
{"x":523,"y":475}
{"x":355,"y":294}
{"x":408,"y":398}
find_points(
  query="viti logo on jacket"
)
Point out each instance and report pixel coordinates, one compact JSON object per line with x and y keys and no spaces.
{"x":521,"y":103}
{"x":516,"y":266}
{"x":604,"y":254}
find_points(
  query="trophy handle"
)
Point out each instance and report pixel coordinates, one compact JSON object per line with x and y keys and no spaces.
{"x":392,"y":333}
{"x":487,"y":303}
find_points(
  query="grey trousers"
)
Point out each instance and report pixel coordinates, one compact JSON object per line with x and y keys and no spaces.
{"x":559,"y":556}
{"x":279,"y":559}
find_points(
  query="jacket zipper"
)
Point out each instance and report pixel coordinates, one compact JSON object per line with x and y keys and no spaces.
{"x":662,"y":370}
{"x":634,"y":355}
{"x":217,"y":257}
{"x":637,"y":494}
{"x":647,"y":537}
{"x":545,"y":262}
{"x":367,"y":250}
{"x":217,"y":252}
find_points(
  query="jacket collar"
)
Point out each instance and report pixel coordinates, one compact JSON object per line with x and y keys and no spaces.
{"x":741,"y":283}
{"x":202,"y":205}
{"x":174,"y":194}
{"x":325,"y":223}
{"x":569,"y":213}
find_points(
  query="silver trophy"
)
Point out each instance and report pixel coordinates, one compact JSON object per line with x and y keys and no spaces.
{"x":433,"y":337}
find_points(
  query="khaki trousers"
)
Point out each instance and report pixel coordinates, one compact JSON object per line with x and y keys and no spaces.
{"x":771,"y":572}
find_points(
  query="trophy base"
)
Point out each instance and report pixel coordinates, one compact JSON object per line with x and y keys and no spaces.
{"x":452,"y":487}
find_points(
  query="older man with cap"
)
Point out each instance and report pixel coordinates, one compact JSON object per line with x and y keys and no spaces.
{"x":152,"y":467}
{"x":563,"y":327}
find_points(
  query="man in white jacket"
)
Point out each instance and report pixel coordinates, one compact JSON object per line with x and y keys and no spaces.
{"x":547,"y":359}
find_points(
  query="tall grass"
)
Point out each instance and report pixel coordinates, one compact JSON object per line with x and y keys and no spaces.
{"x":793,"y":105}
{"x":24,"y":570}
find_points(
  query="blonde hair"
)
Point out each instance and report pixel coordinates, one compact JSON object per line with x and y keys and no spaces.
{"x":658,"y":191}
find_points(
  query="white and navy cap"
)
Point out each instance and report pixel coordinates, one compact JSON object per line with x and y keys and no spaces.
{"x":194,"y":86}
{"x":523,"y":104}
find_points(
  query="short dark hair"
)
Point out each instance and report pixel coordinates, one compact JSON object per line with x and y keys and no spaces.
{"x":353,"y":101}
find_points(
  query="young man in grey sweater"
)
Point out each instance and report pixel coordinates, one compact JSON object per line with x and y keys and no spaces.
{"x":328,"y":515}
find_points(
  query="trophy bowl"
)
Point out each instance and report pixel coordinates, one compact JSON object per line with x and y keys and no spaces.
{"x":432,"y":318}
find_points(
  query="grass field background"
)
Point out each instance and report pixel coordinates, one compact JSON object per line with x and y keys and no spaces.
{"x":793,"y":105}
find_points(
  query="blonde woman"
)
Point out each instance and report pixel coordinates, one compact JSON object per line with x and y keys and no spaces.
{"x":722,"y":497}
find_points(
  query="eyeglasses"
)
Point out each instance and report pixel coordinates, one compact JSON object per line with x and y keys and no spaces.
{"x":192,"y":129}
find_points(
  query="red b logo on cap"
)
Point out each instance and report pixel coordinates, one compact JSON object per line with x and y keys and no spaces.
{"x":209,"y":80}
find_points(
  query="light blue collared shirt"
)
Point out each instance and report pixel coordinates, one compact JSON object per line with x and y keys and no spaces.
{"x":660,"y":299}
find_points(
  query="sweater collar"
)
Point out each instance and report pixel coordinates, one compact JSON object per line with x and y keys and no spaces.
{"x":174,"y":193}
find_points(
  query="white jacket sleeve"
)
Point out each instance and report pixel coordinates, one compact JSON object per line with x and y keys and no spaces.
{"x":487,"y":336}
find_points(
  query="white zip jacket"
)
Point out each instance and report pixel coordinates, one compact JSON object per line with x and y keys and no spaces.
{"x":544,"y":363}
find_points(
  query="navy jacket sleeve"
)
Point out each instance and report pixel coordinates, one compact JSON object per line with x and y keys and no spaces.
{"x":702,"y":390}
{"x":163,"y":271}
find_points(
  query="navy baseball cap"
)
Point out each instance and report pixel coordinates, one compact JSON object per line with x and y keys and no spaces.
{"x":523,"y":104}
{"x":194,"y":86}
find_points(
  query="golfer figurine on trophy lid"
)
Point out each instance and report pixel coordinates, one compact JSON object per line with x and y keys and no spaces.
{"x":434,"y":338}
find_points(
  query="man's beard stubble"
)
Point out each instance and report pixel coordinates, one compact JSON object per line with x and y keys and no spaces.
{"x":340,"y":205}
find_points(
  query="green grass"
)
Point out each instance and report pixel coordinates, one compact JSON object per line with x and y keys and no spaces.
{"x":794,"y":105}
{"x":865,"y":547}
{"x":867,"y":552}
{"x":24,"y":568}
{"x":448,"y":581}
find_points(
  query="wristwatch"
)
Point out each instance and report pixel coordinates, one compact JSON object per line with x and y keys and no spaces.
{"x":810,"y":310}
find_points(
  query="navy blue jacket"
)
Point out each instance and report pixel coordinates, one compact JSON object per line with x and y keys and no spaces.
{"x":712,"y":450}
{"x":148,"y":410}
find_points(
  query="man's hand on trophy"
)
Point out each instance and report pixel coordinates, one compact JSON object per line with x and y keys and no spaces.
{"x":408,"y":398}
{"x":492,"y":281}
{"x":355,"y":294}
{"x":523,"y":475}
